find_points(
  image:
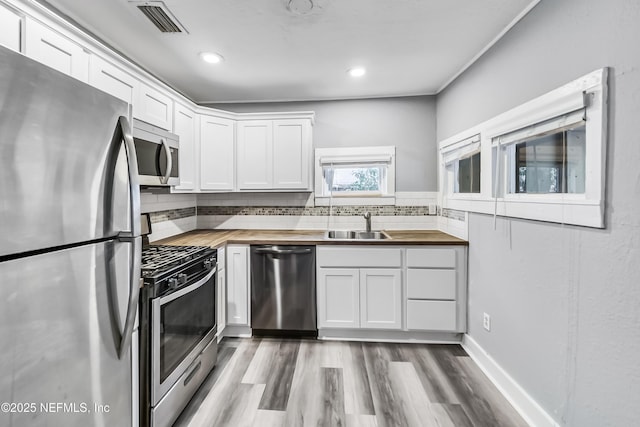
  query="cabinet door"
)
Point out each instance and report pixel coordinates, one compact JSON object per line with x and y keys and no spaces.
{"x":112,"y":80}
{"x":255,"y":154}
{"x":216,"y":153}
{"x":237,"y":285}
{"x":221,"y":303}
{"x":10,"y":23}
{"x":185,"y":128}
{"x":338,"y":298}
{"x":56,"y":51}
{"x":153,"y":107}
{"x":291,"y":154}
{"x":380,"y":298}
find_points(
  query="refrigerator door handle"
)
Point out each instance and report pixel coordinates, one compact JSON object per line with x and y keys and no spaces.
{"x":132,"y":237}
{"x":167,"y":153}
{"x":134,"y":185}
{"x":134,"y":294}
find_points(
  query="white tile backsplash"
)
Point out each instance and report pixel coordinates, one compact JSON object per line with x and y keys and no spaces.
{"x":150,"y":202}
{"x":170,"y":228}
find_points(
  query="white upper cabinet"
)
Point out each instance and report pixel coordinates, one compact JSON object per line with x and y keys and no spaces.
{"x":153,"y":107}
{"x":255,"y":154}
{"x":55,"y":50}
{"x":111,"y":79}
{"x":185,"y":123}
{"x":217,"y":157}
{"x":10,"y":23}
{"x":291,"y":154}
{"x":274,"y":154}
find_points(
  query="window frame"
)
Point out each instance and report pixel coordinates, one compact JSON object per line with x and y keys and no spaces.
{"x":588,"y":93}
{"x":355,"y":156}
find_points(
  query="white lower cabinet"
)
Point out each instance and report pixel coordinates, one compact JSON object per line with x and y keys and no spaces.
{"x":380,"y":298}
{"x":436,"y":289}
{"x":352,"y":296}
{"x":338,"y":297}
{"x":238,"y":285}
{"x":359,"y":298}
{"x":221,"y":303}
{"x":413,"y":288}
{"x":431,"y":315}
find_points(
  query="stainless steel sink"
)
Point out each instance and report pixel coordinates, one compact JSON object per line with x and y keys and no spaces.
{"x":355,"y":235}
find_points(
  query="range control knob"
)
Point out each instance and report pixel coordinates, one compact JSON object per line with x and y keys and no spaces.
{"x":207,"y":264}
{"x":173,"y":283}
{"x":182,"y":278}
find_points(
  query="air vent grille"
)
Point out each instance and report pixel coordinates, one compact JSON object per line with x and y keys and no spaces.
{"x":160,"y":19}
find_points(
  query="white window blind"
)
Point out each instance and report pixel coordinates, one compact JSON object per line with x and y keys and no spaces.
{"x":461,"y":149}
{"x":557,"y":124}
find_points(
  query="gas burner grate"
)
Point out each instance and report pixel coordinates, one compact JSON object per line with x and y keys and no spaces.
{"x":159,"y":258}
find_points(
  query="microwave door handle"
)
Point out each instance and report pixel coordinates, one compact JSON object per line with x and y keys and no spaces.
{"x":132,"y":237}
{"x":167,"y":153}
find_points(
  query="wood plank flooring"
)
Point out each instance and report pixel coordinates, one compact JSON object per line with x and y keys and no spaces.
{"x":269,"y":382}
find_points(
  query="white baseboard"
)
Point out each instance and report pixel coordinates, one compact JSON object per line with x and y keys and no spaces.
{"x":528,"y":408}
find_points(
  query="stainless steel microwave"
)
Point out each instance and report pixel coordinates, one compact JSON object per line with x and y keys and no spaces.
{"x":157,"y":151}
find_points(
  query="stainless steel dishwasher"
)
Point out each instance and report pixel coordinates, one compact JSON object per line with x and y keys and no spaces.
{"x":283,"y":290}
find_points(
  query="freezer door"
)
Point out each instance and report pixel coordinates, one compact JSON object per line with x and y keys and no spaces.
{"x":58,"y":141}
{"x":61,"y":319}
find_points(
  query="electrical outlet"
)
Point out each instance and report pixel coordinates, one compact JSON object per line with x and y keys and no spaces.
{"x":432,"y":209}
{"x":486,"y":322}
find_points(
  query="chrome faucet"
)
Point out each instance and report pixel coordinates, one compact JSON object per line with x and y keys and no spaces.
{"x":367,"y":217}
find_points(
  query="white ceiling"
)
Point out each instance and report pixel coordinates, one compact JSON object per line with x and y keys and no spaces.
{"x":409,"y":47}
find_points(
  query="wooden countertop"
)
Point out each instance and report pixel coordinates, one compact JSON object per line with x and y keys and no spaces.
{"x":215,"y":238}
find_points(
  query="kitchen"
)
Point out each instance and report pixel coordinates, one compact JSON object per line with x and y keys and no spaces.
{"x":563,"y":325}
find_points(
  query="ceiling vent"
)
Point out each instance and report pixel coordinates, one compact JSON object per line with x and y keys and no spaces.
{"x":158,"y":13}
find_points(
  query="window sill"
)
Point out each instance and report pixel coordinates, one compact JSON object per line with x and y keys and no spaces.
{"x":587,"y":213}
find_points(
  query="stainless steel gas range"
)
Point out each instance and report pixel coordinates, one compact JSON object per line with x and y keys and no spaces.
{"x":178,"y":348}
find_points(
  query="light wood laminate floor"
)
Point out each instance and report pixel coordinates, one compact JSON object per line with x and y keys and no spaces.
{"x":288,"y":382}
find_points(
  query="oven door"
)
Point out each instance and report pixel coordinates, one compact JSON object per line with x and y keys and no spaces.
{"x":183,"y":323}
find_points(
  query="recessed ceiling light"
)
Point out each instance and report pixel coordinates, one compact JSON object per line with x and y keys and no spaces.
{"x":357,"y":72}
{"x":211,"y":58}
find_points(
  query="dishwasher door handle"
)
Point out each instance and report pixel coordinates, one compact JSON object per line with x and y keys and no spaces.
{"x":272,"y":251}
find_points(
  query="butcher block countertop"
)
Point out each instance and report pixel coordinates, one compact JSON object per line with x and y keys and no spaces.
{"x":215,"y":238}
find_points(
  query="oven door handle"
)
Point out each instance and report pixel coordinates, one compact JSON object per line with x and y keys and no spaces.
{"x":187,"y":289}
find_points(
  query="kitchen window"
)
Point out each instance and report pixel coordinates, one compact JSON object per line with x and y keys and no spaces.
{"x":360,"y":174}
{"x":462,"y":162}
{"x":543,"y":160}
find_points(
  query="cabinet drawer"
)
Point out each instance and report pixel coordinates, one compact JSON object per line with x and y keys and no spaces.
{"x":431,"y":284}
{"x":359,"y":256}
{"x":431,"y":258}
{"x":431,"y":315}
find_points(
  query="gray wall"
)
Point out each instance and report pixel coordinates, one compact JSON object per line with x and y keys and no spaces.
{"x":409,"y":123}
{"x":564,"y":301}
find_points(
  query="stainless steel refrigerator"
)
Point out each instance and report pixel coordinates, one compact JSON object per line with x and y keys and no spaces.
{"x":69,"y":251}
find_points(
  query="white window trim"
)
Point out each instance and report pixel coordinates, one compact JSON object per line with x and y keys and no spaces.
{"x":578,"y":209}
{"x":385,"y":154}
